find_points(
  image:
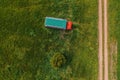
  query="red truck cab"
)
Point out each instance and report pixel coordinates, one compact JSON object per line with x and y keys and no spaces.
{"x":69,"y":25}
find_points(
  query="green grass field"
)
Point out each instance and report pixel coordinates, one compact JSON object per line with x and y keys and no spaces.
{"x":114,"y":24}
{"x":26,"y":46}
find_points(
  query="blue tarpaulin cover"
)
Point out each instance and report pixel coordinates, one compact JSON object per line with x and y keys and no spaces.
{"x":55,"y":22}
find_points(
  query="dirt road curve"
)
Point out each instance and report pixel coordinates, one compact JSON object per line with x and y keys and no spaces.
{"x":103,"y":49}
{"x":100,"y":33}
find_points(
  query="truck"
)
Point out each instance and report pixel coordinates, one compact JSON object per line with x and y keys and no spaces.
{"x":58,"y":23}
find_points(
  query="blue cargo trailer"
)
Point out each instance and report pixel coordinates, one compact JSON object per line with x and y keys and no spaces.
{"x":58,"y":23}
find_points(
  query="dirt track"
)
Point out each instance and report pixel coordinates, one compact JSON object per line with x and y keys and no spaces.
{"x":103,"y":47}
{"x":105,"y":42}
{"x":100,"y":33}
